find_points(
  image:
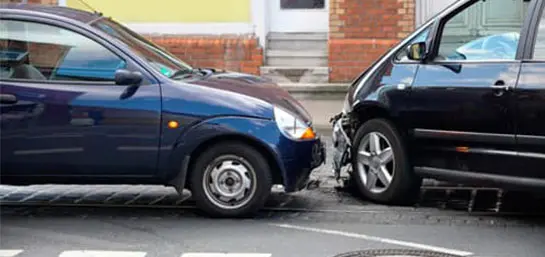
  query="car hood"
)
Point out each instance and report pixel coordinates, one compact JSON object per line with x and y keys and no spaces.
{"x":256,"y":87}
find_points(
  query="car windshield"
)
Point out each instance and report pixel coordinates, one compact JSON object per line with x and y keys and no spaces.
{"x":159,"y":59}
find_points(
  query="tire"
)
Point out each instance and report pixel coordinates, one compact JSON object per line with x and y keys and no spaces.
{"x":244,"y":159}
{"x":404,"y":184}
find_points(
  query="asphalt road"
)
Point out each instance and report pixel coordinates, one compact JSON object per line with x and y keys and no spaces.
{"x":143,"y":221}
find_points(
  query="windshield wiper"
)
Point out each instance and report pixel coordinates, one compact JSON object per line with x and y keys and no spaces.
{"x":183,"y":72}
{"x":199,"y":71}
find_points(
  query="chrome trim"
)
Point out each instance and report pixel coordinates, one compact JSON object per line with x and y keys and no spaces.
{"x":532,"y":155}
{"x":492,"y":151}
{"x":474,"y":61}
{"x":464,"y":135}
{"x":531,"y":140}
{"x":496,"y":152}
{"x":48,"y":151}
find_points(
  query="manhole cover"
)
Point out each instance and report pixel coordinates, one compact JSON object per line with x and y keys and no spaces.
{"x":394,"y":253}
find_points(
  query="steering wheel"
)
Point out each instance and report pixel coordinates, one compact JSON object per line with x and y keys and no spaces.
{"x":499,"y":46}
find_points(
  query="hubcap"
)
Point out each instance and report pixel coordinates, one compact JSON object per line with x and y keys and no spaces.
{"x":229,"y":182}
{"x":375,"y":161}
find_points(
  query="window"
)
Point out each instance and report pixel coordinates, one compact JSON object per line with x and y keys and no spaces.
{"x":486,"y":30}
{"x":302,"y":4}
{"x":539,"y":48}
{"x":35,"y":51}
{"x":159,"y":59}
{"x":421,"y":37}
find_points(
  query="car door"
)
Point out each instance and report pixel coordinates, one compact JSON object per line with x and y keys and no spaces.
{"x":530,"y":101}
{"x":62,"y":112}
{"x":461,"y":105}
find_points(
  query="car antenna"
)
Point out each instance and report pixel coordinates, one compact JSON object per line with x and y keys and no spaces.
{"x":90,"y":7}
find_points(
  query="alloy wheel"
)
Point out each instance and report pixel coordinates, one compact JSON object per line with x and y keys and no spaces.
{"x":376,"y":162}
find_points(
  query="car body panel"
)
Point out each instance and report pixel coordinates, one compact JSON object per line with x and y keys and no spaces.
{"x":530,"y":117}
{"x":452,"y":106}
{"x":81,"y":130}
{"x":294,"y":160}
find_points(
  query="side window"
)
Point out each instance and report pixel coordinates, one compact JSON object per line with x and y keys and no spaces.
{"x":35,"y":51}
{"x":486,"y":30}
{"x":421,"y":37}
{"x":539,"y":48}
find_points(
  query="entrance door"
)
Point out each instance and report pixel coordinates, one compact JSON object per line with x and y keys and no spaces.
{"x":426,"y":9}
{"x":299,"y":15}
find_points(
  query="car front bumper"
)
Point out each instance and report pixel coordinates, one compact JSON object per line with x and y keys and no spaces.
{"x":341,"y":146}
{"x":308,"y":155}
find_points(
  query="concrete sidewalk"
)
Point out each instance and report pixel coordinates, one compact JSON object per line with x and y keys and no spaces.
{"x":321,"y":106}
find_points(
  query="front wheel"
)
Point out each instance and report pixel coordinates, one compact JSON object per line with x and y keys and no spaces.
{"x":381,"y":167}
{"x":230,"y":180}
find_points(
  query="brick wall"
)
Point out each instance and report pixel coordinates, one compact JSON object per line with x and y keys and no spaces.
{"x":236,"y":53}
{"x":361,"y":31}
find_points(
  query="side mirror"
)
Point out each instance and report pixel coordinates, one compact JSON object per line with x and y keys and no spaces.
{"x":128,"y":78}
{"x":417,"y":51}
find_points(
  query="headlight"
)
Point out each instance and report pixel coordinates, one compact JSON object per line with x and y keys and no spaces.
{"x":292,"y":126}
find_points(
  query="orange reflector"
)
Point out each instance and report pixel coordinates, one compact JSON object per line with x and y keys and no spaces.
{"x":308,"y":134}
{"x":462,"y":149}
{"x":173,"y":124}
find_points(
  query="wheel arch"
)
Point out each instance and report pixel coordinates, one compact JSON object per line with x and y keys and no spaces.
{"x":374,"y":110}
{"x":264,"y":150}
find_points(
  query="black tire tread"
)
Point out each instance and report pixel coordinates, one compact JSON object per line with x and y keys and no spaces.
{"x":260,"y":166}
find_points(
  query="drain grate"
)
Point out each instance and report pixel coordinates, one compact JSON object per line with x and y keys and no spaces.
{"x":394,"y":253}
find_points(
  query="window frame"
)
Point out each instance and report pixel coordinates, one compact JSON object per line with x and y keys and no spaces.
{"x":528,"y":56}
{"x":395,"y":60}
{"x":440,"y":25}
{"x":69,"y":25}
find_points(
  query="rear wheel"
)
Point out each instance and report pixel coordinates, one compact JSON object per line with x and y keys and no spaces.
{"x":381,"y":168}
{"x":230,"y":180}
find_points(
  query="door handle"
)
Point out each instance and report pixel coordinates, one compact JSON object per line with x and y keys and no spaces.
{"x":8,"y":99}
{"x":500,"y":85}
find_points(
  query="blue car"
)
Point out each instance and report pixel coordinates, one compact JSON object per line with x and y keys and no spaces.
{"x":84,"y":100}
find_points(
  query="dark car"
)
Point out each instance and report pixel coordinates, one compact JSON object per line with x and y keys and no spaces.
{"x":84,"y":100}
{"x":461,"y":99}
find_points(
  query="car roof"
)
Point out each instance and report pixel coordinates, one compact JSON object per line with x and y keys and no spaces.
{"x":65,"y":12}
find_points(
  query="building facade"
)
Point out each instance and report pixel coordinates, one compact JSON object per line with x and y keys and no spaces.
{"x":292,"y":41}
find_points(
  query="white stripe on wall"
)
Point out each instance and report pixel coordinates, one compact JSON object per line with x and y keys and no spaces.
{"x":226,"y":255}
{"x":101,"y":254}
{"x":84,"y":253}
{"x":9,"y":253}
{"x":207,"y":28}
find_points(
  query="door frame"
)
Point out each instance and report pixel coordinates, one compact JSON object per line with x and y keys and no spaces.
{"x":272,"y":11}
{"x":261,"y":20}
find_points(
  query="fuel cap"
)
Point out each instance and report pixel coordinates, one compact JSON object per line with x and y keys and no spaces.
{"x":394,"y":253}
